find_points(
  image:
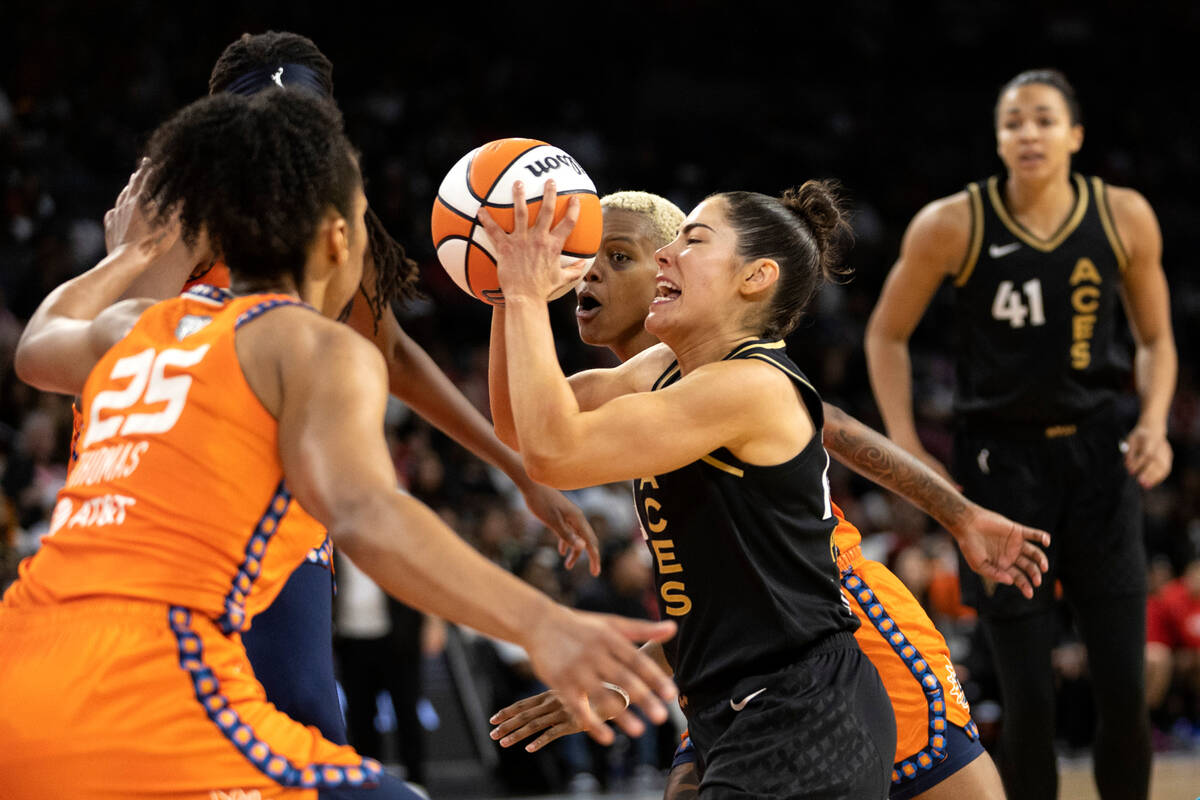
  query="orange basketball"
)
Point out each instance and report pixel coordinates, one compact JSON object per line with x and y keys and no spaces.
{"x":484,"y":178}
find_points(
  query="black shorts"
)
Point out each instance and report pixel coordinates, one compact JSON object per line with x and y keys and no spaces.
{"x":820,"y":728}
{"x":1071,"y":481}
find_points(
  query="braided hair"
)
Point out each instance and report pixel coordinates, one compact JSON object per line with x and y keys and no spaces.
{"x":256,"y":175}
{"x":258,"y":56}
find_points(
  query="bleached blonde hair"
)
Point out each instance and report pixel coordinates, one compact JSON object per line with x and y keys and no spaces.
{"x":664,"y":216}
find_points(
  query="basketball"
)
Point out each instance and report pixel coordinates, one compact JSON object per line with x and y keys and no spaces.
{"x":484,"y":178}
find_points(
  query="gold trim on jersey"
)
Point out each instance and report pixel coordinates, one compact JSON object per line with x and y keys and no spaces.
{"x":721,"y":465}
{"x":1106,"y":220}
{"x":1019,"y":230}
{"x":964,"y":273}
{"x":795,"y":375}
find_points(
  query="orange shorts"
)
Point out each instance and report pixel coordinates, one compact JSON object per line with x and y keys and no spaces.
{"x":108,"y":698}
{"x":912,"y":660}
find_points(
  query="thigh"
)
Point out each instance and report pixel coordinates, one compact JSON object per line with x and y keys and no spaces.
{"x":290,"y":646}
{"x":822,"y":729}
{"x":128,"y":700}
{"x":1102,"y":551}
{"x":914,"y":664}
{"x":1020,"y":480}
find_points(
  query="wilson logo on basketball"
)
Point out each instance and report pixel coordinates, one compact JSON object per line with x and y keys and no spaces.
{"x":544,"y":165}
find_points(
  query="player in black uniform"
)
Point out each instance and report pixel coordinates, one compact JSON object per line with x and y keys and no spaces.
{"x":1038,"y":258}
{"x":720,"y":433}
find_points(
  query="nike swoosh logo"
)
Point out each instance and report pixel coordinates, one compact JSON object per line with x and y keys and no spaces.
{"x":1001,"y":250}
{"x":746,"y":699}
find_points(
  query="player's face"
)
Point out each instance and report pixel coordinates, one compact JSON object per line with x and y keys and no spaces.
{"x":616,"y":291}
{"x":1034,"y":134}
{"x":697,"y":273}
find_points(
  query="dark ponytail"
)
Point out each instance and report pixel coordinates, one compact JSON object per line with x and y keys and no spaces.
{"x":802,"y":231}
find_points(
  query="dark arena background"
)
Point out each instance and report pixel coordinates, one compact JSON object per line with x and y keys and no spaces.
{"x":679,"y":98}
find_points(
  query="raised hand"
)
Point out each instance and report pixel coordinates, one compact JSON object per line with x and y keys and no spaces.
{"x":529,"y":260}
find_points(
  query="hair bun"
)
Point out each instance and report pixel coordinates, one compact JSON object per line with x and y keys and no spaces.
{"x":818,"y":203}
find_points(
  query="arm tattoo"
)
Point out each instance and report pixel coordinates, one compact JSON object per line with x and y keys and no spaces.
{"x":874,"y":456}
{"x":683,"y":783}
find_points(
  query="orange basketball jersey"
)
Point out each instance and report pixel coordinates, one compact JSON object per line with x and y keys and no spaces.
{"x":177,"y":491}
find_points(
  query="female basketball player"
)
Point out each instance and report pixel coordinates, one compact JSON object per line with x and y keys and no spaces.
{"x":1039,"y":257}
{"x":204,"y":416}
{"x":290,"y":644}
{"x":718,"y":431}
{"x":614,"y":297}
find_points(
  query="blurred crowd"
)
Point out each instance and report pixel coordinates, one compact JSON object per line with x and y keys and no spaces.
{"x":75,"y":106}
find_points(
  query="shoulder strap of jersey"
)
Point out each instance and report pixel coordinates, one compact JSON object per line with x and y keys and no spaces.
{"x":669,"y":376}
{"x":1100,"y":193}
{"x":975,"y":195}
{"x":774,"y":352}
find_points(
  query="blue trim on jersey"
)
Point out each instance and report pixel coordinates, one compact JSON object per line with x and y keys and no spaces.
{"x":278,"y":768}
{"x":256,"y":311}
{"x":321,"y":555}
{"x":685,"y":753}
{"x":935,"y":753}
{"x":209,"y":292}
{"x":234,"y":618}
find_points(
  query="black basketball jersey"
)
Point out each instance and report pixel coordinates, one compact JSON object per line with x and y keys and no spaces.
{"x":1037,"y":339}
{"x":743,"y":554}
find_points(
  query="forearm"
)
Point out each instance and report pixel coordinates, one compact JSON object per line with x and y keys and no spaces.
{"x":874,"y":456}
{"x":890,"y":370}
{"x":85,"y":296}
{"x":1156,"y":366}
{"x":543,"y":404}
{"x":502,"y":418}
{"x":415,"y":378}
{"x":406,"y":548}
{"x":56,"y":336}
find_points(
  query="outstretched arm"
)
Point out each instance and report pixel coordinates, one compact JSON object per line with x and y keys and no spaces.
{"x":398,"y":541}
{"x":546,"y":713}
{"x":993,"y":545}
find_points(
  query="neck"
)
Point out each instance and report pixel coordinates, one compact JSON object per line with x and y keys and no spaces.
{"x":278,"y":285}
{"x":707,"y":348}
{"x":631,"y":346}
{"x":1048,"y":198}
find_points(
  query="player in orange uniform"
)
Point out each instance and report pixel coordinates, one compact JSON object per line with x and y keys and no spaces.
{"x":290,"y":644}
{"x":895,"y":632}
{"x":204,"y":415}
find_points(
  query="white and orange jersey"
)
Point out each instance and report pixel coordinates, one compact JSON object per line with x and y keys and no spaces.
{"x":177,"y":491}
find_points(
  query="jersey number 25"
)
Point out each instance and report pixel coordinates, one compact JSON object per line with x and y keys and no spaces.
{"x":149,"y":384}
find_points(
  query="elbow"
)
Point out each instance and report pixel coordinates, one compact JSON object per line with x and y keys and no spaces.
{"x":27,"y":365}
{"x":551,"y":469}
{"x":507,"y":434}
